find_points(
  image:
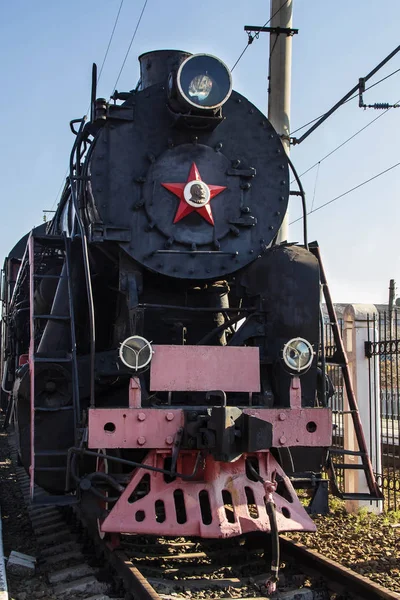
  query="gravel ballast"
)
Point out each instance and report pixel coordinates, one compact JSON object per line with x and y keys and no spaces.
{"x":367,"y":543}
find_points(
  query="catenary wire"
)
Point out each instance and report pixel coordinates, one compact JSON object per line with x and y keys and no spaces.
{"x":348,"y":100}
{"x":347,"y":192}
{"x":98,"y":79}
{"x":345,"y":142}
{"x":110,"y":40}
{"x":251,"y":37}
{"x":130,"y":44}
{"x":315,"y":186}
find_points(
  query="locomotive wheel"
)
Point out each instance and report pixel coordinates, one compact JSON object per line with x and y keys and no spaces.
{"x":54,"y":430}
{"x":94,"y":507}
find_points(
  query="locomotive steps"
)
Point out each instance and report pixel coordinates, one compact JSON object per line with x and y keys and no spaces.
{"x":60,"y":551}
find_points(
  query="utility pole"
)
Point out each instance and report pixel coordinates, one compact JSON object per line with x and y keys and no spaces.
{"x":280,"y":68}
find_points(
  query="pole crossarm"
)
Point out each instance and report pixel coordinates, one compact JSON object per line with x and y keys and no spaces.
{"x":276,"y":30}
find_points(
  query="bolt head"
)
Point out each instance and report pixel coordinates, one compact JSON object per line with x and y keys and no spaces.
{"x":282,"y":416}
{"x":282,"y":439}
{"x":141,"y":440}
{"x":169,"y":440}
{"x":141,"y":416}
{"x":169,"y":416}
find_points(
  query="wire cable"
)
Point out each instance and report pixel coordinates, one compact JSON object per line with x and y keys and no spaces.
{"x":98,"y":79}
{"x":110,"y":40}
{"x":345,"y":142}
{"x":348,"y":192}
{"x":315,"y":186}
{"x":130,"y":44}
{"x":348,"y":100}
{"x":256,"y":34}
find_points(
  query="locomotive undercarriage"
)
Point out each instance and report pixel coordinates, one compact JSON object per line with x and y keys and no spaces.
{"x":222,"y":431}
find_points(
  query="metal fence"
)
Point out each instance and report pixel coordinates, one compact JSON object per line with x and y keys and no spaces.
{"x":334,"y":372}
{"x":383,"y":352}
{"x":337,"y":401}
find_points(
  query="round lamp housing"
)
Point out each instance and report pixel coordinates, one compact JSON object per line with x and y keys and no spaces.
{"x":203,"y":82}
{"x":135,"y":352}
{"x":298,"y":355}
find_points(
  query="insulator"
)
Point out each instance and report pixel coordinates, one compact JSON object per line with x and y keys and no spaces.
{"x":383,"y":105}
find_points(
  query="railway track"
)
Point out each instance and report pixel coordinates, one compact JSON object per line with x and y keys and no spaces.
{"x":78,"y":565}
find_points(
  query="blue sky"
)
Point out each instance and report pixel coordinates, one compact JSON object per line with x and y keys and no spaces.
{"x":47,"y":48}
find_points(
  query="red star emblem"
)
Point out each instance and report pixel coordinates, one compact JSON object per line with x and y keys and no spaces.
{"x":194,"y":195}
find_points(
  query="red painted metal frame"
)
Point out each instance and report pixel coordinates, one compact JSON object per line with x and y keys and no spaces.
{"x":228,"y":489}
{"x":156,"y":427}
{"x":205,"y":368}
{"x":137,"y":427}
{"x":133,"y":427}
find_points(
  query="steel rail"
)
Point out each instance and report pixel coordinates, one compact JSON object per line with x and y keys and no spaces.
{"x":346,"y":578}
{"x":133,"y":579}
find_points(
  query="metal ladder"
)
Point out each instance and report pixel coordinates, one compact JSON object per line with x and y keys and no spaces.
{"x":340,"y":359}
{"x":53,"y":246}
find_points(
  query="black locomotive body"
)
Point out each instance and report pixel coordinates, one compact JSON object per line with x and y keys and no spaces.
{"x":164,"y":242}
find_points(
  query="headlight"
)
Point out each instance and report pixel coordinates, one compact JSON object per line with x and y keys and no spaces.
{"x":135,"y":352}
{"x":204,"y":81}
{"x":297,"y":354}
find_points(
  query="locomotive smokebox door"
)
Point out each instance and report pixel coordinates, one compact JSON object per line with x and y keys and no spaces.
{"x":187,"y":201}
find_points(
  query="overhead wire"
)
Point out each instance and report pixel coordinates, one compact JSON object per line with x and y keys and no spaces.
{"x":315,"y":186}
{"x":256,"y":34}
{"x":130,"y":44}
{"x":98,"y":79}
{"x":347,"y":192}
{"x":345,"y":141}
{"x":348,"y":100}
{"x":110,"y":41}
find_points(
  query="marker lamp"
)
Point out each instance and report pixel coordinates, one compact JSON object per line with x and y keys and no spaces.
{"x":297,"y":354}
{"x":136,"y":352}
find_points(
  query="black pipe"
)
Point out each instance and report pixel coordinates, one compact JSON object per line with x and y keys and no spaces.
{"x":271,"y":512}
{"x":323,"y":361}
{"x":213,"y":332}
{"x":107,"y":478}
{"x":75,"y":195}
{"x":195,"y":308}
{"x":123,"y":461}
{"x":303,"y":202}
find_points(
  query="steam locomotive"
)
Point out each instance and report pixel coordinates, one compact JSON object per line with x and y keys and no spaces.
{"x":161,"y":352}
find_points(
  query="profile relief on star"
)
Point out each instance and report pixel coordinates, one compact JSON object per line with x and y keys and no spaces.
{"x":198,"y":194}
